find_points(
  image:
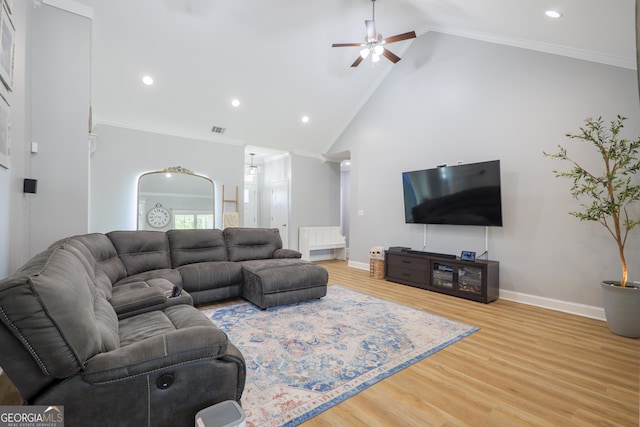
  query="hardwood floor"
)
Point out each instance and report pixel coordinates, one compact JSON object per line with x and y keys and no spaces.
{"x":526,"y":366}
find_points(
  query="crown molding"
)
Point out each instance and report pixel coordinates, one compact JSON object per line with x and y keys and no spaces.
{"x":68,"y":6}
{"x":313,"y":155}
{"x":587,"y":55}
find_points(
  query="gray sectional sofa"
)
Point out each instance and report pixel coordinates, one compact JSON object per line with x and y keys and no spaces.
{"x":104,"y":324}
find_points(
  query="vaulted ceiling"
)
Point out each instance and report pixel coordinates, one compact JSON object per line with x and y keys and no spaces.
{"x":276,"y":58}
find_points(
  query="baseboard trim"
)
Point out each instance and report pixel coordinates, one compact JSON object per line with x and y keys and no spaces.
{"x":323,"y":257}
{"x":358,"y":265}
{"x":583,"y":310}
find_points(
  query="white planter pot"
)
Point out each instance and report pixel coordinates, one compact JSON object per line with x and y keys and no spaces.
{"x":622,"y":308}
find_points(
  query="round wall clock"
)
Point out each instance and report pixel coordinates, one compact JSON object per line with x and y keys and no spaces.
{"x":159,"y":216}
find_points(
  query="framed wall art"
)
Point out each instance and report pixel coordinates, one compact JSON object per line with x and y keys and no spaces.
{"x":7,"y":45}
{"x":5,"y":132}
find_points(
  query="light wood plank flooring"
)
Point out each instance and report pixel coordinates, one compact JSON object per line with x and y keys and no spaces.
{"x":526,"y":366}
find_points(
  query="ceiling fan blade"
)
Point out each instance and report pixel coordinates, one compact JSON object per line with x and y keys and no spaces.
{"x":346,"y":44}
{"x":390,"y":56}
{"x":371,"y":29}
{"x":357,"y":61}
{"x":399,"y":37}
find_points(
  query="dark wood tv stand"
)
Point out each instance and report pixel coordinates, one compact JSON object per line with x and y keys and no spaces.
{"x":474,"y":280}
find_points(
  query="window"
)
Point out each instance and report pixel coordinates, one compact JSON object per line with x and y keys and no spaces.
{"x":184,"y":220}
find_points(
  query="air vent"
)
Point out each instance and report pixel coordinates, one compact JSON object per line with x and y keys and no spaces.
{"x":218,"y":129}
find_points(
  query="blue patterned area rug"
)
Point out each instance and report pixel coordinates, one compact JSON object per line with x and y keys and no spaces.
{"x":304,"y":358}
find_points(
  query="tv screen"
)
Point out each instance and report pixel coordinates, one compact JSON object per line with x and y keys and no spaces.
{"x":466,"y":194}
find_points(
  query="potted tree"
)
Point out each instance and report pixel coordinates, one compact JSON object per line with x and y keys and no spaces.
{"x":606,"y":197}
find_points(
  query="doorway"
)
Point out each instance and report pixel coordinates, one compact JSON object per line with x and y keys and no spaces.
{"x":280,"y":209}
{"x":345,"y":198}
{"x":250,"y":200}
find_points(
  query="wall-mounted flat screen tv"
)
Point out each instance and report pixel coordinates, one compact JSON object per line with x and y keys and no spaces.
{"x":467,"y":194}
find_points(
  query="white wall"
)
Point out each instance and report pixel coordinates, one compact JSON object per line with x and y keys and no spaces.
{"x":122,"y":155}
{"x":315,"y":194}
{"x":5,"y":224}
{"x":60,"y":115}
{"x":451,"y":99}
{"x":14,"y":249}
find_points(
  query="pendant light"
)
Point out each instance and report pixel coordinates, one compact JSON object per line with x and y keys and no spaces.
{"x":253,"y":169}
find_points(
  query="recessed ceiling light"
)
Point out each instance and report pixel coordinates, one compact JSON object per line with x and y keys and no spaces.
{"x":235,"y":102}
{"x":147,"y":80}
{"x":553,"y":14}
{"x":305,"y":119}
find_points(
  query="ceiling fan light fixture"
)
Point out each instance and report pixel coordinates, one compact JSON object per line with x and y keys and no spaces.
{"x":374,"y":42}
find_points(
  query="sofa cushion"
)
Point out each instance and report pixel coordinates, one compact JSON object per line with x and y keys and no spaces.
{"x":104,"y":253}
{"x":97,"y":276}
{"x":168,"y":274}
{"x":251,"y":243}
{"x":279,"y":275}
{"x":273,"y":282}
{"x":107,"y":324}
{"x":158,"y":339}
{"x":194,"y":246}
{"x":141,"y":251}
{"x":207,"y":275}
{"x":52,"y":307}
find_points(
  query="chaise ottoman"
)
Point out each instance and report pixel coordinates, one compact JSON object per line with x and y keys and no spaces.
{"x":272,"y":282}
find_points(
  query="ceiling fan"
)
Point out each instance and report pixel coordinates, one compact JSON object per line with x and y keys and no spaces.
{"x":373,"y":42}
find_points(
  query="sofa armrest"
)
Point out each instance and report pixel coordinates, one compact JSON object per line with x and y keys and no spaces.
{"x":130,"y":299}
{"x":286,"y":253}
{"x":234,"y":356}
{"x":172,"y":348}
